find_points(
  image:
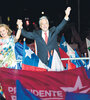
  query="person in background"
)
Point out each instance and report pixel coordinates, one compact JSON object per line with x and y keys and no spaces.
{"x":46,"y":39}
{"x":2,"y":95}
{"x":7,"y":47}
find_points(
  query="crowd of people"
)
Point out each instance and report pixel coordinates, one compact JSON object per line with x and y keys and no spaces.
{"x":45,"y":39}
{"x":7,"y":41}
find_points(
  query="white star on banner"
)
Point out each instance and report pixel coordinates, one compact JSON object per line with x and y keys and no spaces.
{"x":64,"y":44}
{"x":29,"y":52}
{"x":78,"y":85}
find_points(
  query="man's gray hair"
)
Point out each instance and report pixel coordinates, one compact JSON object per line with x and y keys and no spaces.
{"x":43,"y":17}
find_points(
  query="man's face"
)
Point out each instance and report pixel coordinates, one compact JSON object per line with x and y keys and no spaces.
{"x":44,"y":25}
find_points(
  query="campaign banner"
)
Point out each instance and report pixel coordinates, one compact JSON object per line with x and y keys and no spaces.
{"x":45,"y":85}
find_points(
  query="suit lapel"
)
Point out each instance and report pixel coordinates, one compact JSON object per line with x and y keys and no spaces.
{"x":40,"y":34}
{"x":51,"y":31}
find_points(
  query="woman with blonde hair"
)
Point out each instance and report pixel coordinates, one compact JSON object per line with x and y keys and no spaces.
{"x":7,"y":46}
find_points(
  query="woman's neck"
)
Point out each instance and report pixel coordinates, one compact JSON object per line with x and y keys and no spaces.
{"x":6,"y":37}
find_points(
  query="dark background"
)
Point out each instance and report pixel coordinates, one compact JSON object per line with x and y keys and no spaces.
{"x":54,"y":10}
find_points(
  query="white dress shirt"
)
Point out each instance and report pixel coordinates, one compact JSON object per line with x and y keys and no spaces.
{"x":43,"y":34}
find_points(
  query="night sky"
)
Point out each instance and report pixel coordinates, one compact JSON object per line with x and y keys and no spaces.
{"x":54,"y":10}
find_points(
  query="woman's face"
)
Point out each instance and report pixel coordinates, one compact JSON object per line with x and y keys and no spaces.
{"x":3,"y":32}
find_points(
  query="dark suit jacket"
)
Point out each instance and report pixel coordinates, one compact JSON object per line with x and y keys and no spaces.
{"x":42,"y":47}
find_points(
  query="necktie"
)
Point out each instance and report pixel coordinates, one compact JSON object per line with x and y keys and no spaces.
{"x":46,"y":38}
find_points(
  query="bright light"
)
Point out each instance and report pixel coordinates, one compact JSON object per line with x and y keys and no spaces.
{"x":42,"y":12}
{"x":33,"y":23}
{"x":8,"y":18}
{"x":27,"y":22}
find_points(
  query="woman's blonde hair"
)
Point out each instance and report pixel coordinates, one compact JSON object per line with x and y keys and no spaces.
{"x":7,"y":28}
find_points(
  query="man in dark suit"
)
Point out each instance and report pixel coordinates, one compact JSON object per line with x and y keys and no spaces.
{"x":45,"y":44}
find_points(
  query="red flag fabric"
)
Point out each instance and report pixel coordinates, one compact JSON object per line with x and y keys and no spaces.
{"x":31,"y":61}
{"x":45,"y":85}
{"x":32,"y":68}
{"x":71,"y":65}
{"x":63,"y":54}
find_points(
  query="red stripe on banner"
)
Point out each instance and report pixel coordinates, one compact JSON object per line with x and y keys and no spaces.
{"x":46,"y":85}
{"x":32,"y":68}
